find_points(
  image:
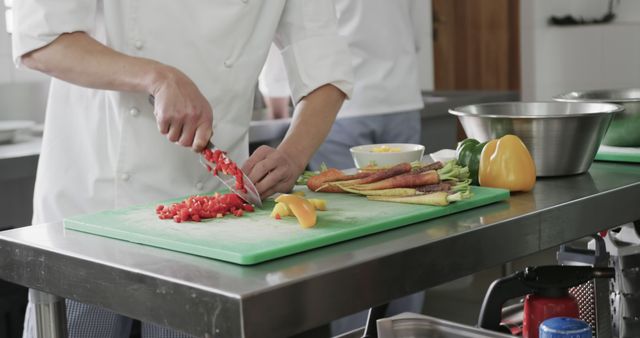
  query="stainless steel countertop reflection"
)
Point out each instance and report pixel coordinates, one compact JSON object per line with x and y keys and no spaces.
{"x":206,"y":297}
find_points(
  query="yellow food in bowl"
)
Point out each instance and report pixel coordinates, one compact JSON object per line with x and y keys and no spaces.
{"x":385,"y":149}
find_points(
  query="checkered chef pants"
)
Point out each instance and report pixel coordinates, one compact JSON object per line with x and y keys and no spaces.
{"x":88,"y":321}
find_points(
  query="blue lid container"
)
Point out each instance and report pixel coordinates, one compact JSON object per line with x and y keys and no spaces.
{"x":564,"y":327}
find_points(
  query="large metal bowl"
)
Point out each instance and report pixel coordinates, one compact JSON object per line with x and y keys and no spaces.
{"x":563,"y":138}
{"x":624,"y":130}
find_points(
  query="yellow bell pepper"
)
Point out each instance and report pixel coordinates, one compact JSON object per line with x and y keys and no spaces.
{"x":319,"y":204}
{"x":302,"y":209}
{"x":506,"y":163}
{"x":281,"y":210}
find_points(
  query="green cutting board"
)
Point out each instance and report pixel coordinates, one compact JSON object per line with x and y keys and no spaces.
{"x":256,"y":237}
{"x":618,"y":154}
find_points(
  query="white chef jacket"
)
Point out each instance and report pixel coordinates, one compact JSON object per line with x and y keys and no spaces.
{"x":383,"y":42}
{"x":101,"y":149}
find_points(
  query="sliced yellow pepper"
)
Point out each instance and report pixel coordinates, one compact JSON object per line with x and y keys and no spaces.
{"x":506,"y":163}
{"x":281,"y":210}
{"x":304,"y":211}
{"x":319,"y":204}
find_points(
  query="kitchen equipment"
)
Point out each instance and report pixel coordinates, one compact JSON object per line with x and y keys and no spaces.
{"x":618,"y":154}
{"x":251,"y":195}
{"x":547,"y":295}
{"x":593,"y":296}
{"x":624,"y":130}
{"x":386,"y":154}
{"x":411,"y":325}
{"x":256,"y":237}
{"x":562,"y":138}
{"x":624,"y":248}
{"x":9,"y":129}
{"x":565,"y":327}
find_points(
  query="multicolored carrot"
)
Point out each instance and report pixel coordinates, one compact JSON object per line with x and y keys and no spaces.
{"x":319,"y":182}
{"x":408,"y":180}
{"x":383,"y":192}
{"x":440,"y":198}
{"x":396,"y":170}
{"x":442,"y":186}
{"x":431,"y":166}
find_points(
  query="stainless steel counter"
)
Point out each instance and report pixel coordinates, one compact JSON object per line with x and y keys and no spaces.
{"x":289,"y":295}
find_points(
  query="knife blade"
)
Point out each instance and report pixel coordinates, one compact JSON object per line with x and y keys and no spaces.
{"x":251,"y":196}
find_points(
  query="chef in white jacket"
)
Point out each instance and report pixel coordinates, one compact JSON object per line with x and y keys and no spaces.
{"x":106,"y":147}
{"x":385,"y":106}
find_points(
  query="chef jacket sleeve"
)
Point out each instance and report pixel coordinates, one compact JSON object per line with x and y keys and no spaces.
{"x":313,"y":52}
{"x":36,"y":23}
{"x":272,"y":81}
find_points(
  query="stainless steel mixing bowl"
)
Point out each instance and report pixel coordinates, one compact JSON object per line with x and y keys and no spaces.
{"x":624,"y":130}
{"x":563,"y":138}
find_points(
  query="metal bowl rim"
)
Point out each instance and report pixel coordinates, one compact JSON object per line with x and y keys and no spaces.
{"x":562,"y":97}
{"x":456,"y":111}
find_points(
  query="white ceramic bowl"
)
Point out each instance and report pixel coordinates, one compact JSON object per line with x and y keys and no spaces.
{"x":365,"y":155}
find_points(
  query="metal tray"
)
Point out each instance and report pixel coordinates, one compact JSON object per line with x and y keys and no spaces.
{"x":411,"y":325}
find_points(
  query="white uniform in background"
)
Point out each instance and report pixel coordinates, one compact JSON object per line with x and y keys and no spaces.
{"x":386,"y":102}
{"x":384,"y":45}
{"x":102,"y":149}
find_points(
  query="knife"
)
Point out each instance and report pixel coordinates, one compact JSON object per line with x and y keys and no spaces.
{"x":251,"y":195}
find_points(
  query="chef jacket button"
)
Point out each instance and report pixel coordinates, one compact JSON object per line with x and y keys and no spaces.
{"x":138,"y":44}
{"x":134,"y":111}
{"x":199,"y":186}
{"x":228,"y":63}
{"x":125,"y":176}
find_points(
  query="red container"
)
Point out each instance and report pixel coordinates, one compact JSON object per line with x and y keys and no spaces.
{"x":537,"y":309}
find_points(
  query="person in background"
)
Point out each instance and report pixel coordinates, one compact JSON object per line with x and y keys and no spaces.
{"x":106,"y":147}
{"x":386,"y":102}
{"x":273,"y":86}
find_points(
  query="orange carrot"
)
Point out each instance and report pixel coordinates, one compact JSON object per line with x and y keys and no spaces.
{"x":329,"y":187}
{"x":318,"y":182}
{"x":396,"y":170}
{"x":408,"y":180}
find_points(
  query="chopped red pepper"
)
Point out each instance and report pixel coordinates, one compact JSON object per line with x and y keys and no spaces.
{"x":225,"y":165}
{"x":197,"y":208}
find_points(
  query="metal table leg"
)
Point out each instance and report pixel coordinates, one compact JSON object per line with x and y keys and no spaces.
{"x":51,"y":316}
